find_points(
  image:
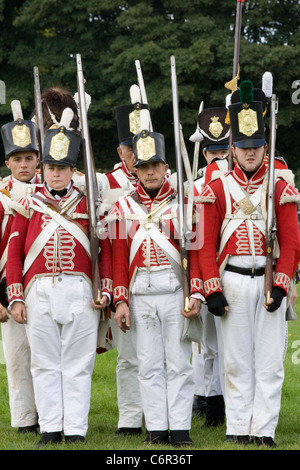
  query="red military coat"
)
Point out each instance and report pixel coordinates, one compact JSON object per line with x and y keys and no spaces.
{"x":114,"y":179}
{"x":206,"y":174}
{"x":214,"y":207}
{"x":6,"y":216}
{"x":148,"y":255}
{"x":62,"y":252}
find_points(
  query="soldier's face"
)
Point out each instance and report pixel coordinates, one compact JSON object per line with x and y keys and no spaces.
{"x":23,"y":165}
{"x":127,"y":155}
{"x":249,"y":159}
{"x":151,"y":175}
{"x":210,"y":155}
{"x":57,"y":176}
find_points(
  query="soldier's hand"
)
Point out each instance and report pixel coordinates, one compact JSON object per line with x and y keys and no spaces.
{"x":217,"y":304}
{"x":104,"y":301}
{"x":122,"y":317}
{"x":3,"y":314}
{"x":193,"y":307}
{"x":294,"y":295}
{"x":18,"y":312}
{"x":275,"y":299}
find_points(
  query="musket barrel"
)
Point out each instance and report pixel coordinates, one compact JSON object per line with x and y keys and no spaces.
{"x":238,"y":24}
{"x":142,"y":87}
{"x":92,"y":189}
{"x":179,"y":167}
{"x":91,"y":182}
{"x":271,"y":165}
{"x":39,"y":117}
{"x":180,"y":189}
{"x":270,"y":223}
{"x":236,"y":56}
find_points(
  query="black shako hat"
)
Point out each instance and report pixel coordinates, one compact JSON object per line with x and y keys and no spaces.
{"x":149,"y":147}
{"x":128,"y":121}
{"x":212,"y":130}
{"x":246,"y":113}
{"x":19,"y":136}
{"x":61,"y":147}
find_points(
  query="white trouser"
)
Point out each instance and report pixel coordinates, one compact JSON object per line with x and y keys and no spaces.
{"x":17,"y":357}
{"x":198,"y":368}
{"x":209,"y":371}
{"x":128,"y":391}
{"x":253,"y":355}
{"x":62,"y":332}
{"x":165,"y":371}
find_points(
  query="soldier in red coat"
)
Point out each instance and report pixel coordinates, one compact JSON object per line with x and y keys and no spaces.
{"x":22,"y":159}
{"x":253,"y":332}
{"x":213,"y":135}
{"x":118,"y":182}
{"x":124,"y":174}
{"x":49,"y":279}
{"x":148,"y":295}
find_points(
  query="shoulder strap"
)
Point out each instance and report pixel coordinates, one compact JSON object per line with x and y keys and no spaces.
{"x":75,"y":229}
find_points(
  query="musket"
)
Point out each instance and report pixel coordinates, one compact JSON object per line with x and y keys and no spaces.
{"x":197,"y":148}
{"x":39,"y":122}
{"x":190,"y":187}
{"x":92,"y":190}
{"x":232,"y":85}
{"x":142,"y":88}
{"x":180,"y":189}
{"x":271,"y":222}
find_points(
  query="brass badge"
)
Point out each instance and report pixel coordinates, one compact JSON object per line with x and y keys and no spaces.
{"x":146,"y":148}
{"x":248,"y":124}
{"x":59,"y":146}
{"x":215,"y":127}
{"x":246,"y":205}
{"x":21,"y":135}
{"x":134,"y":121}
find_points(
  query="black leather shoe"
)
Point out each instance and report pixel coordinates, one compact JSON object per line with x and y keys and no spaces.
{"x":157,"y":437}
{"x":180,"y":438}
{"x":50,"y":438}
{"x":128,"y":431}
{"x":215,"y":411}
{"x":265,"y":441}
{"x":199,"y":406}
{"x":244,"y":439}
{"x":230,"y":438}
{"x":74,"y":438}
{"x":25,"y":429}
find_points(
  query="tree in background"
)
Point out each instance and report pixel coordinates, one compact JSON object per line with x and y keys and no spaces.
{"x":111,"y":35}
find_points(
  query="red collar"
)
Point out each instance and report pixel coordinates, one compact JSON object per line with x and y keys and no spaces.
{"x":132,"y":178}
{"x":256,"y":178}
{"x":164,"y":191}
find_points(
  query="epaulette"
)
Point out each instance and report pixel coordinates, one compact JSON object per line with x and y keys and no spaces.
{"x":281,"y":159}
{"x":21,"y":207}
{"x":289,"y":194}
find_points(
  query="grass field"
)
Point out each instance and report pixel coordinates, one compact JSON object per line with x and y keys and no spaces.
{"x":104,"y":413}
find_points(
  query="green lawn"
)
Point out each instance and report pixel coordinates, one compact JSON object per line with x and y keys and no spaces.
{"x":104,"y":413}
